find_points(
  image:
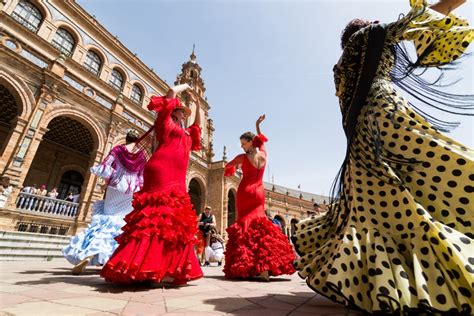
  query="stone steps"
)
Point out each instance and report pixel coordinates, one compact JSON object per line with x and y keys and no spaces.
{"x":20,"y":246}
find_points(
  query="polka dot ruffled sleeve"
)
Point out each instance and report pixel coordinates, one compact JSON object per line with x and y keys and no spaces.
{"x":439,"y":39}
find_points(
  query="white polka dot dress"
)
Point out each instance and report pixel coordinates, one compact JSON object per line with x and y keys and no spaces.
{"x":404,"y":241}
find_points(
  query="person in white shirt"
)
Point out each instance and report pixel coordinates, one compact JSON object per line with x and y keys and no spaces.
{"x":30,"y":189}
{"x":50,"y":204}
{"x":27,"y":201}
{"x":215,"y":251}
{"x":5,"y":191}
{"x":53,"y":193}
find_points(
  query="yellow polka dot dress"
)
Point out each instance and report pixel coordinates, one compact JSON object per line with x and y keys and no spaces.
{"x":404,"y":240}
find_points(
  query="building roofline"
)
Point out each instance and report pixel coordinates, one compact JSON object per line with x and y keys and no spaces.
{"x":295,"y":193}
{"x":91,"y":22}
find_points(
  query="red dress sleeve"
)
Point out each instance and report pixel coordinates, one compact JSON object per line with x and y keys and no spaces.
{"x":195,"y":133}
{"x":231,"y":167}
{"x":162,"y":105}
{"x":229,"y":170}
{"x":259,"y":141}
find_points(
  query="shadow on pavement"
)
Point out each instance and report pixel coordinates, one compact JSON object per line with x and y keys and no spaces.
{"x":280,"y":304}
{"x":223,"y":278}
{"x":90,"y":277}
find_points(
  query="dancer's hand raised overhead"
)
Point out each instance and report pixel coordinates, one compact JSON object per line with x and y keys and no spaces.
{"x":260,"y":119}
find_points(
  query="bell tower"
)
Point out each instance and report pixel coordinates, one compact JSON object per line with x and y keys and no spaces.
{"x":191,"y":74}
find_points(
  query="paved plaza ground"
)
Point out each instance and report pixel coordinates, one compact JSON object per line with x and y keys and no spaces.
{"x":48,"y":288}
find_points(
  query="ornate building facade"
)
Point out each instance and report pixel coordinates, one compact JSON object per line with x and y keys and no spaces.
{"x":69,"y":90}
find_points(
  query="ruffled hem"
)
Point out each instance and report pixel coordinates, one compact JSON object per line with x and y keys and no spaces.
{"x":424,"y":269}
{"x":97,"y":240}
{"x":170,"y":215}
{"x":150,"y":259}
{"x":261,"y":247}
{"x":157,"y":241}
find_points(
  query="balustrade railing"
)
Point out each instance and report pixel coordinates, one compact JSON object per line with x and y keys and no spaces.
{"x":46,"y":205}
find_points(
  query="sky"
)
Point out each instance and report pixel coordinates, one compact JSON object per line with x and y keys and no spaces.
{"x":272,"y":57}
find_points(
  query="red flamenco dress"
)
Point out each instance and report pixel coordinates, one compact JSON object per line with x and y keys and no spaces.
{"x":255,"y":244}
{"x":159,"y":236}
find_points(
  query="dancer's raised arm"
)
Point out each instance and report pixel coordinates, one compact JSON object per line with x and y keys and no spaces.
{"x":260,"y":119}
{"x":259,"y":142}
{"x":197,"y":117}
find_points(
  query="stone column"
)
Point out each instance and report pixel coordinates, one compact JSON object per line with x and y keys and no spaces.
{"x":225,"y":209}
{"x":29,"y":137}
{"x":19,"y":167}
{"x":216,"y":196}
{"x":12,"y":144}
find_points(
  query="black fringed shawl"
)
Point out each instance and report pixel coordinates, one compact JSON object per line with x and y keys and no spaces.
{"x":429,"y":95}
{"x":356,"y":92}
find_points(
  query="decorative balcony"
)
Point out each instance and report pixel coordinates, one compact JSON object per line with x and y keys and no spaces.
{"x":46,"y":206}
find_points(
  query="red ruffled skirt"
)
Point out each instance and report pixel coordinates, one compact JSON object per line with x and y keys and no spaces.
{"x":157,"y":241}
{"x":259,"y":247}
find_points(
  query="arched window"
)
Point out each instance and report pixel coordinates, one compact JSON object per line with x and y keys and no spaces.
{"x":137,"y":95}
{"x":27,"y":15}
{"x":116,"y":80}
{"x":196,"y":195}
{"x":93,"y":62}
{"x":278,"y":220}
{"x":64,"y":41}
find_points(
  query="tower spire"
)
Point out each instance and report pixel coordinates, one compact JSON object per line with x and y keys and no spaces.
{"x":193,"y":54}
{"x":191,"y":74}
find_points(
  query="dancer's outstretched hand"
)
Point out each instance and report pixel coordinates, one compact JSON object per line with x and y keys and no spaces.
{"x":261,"y":118}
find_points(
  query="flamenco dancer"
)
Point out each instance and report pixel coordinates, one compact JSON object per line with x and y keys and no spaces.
{"x":399,"y":238}
{"x":256,"y":247}
{"x":122,"y":170}
{"x":157,"y":243}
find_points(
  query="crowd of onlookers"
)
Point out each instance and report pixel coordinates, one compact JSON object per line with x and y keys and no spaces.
{"x":53,"y":194}
{"x":31,"y":200}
